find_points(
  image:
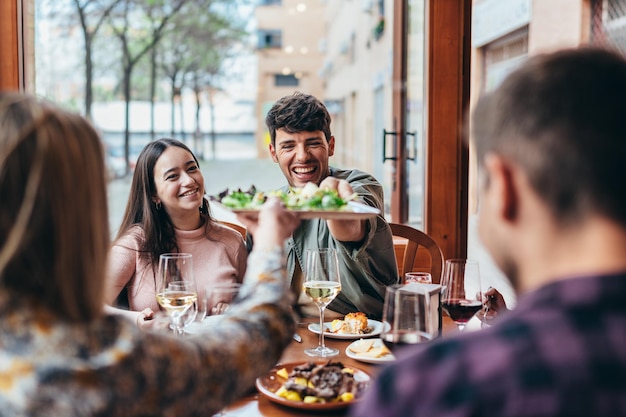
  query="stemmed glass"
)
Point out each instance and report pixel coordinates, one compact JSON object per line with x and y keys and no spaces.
{"x":461,"y":296}
{"x":321,"y":284}
{"x":176,"y":289}
{"x":218,"y":298}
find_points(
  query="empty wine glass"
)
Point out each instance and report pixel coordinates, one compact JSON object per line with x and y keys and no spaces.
{"x":421,"y":277}
{"x":461,"y":296}
{"x":406,"y":316}
{"x":217,"y":298}
{"x":321,"y":285}
{"x":176,"y":289}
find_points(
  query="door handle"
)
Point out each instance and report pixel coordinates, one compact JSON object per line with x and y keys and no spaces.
{"x":385,"y":134}
{"x":413,"y":157}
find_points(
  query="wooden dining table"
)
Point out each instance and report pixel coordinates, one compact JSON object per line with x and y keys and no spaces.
{"x":255,"y":404}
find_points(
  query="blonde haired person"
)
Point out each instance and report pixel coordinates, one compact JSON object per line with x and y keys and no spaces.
{"x":60,"y":355}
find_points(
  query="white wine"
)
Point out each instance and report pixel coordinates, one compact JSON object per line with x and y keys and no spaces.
{"x":173,"y":301}
{"x":322,"y":292}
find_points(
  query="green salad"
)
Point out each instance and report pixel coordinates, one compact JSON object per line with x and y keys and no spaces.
{"x":309,"y":197}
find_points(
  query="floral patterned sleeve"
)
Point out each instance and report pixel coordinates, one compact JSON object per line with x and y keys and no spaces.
{"x":109,"y":367}
{"x":200,"y":374}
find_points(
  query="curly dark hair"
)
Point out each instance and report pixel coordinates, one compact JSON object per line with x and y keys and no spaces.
{"x":298,"y":112}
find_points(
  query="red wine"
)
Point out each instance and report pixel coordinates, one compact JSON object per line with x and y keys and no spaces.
{"x":399,"y":339}
{"x":461,"y":310}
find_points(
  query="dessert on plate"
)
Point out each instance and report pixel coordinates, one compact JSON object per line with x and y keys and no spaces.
{"x":352,"y":323}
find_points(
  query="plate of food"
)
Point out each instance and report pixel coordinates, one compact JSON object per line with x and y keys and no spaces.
{"x":370,"y":351}
{"x":298,"y":385}
{"x":308,"y":202}
{"x":353,"y":326}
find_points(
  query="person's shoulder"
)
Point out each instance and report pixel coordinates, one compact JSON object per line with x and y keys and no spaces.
{"x":361,"y":181}
{"x":351,"y":174}
{"x":223,"y":231}
{"x":456,"y":349}
{"x":133,"y":235}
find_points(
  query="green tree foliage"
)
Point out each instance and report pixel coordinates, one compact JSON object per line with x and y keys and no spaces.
{"x":139,"y":25}
{"x":194,"y":49}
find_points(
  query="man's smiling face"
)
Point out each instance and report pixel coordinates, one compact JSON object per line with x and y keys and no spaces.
{"x":302,"y":156}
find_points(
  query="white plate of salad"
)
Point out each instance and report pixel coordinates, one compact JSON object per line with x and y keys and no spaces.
{"x":309,"y":202}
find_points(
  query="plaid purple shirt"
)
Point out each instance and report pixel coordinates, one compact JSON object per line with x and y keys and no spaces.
{"x":561,"y":352}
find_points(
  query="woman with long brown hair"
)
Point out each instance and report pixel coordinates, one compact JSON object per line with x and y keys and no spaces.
{"x":167,"y":212}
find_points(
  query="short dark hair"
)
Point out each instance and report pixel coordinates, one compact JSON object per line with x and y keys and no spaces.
{"x":560,"y":117}
{"x":298,"y":112}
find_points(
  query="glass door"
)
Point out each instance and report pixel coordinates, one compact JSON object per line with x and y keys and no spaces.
{"x":415,"y":132}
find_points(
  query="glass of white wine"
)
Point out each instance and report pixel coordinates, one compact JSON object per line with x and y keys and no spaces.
{"x":176,"y":289}
{"x":321,"y":284}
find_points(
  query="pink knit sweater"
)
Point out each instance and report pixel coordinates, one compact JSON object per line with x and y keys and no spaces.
{"x":219,"y":255}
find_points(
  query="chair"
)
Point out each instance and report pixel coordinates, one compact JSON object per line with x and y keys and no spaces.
{"x":416,"y":239}
{"x":238,"y":227}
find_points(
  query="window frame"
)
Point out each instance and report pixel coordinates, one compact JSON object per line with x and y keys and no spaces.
{"x":447,"y":96}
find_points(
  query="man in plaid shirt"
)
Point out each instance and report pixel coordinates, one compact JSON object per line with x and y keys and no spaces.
{"x":551,"y":142}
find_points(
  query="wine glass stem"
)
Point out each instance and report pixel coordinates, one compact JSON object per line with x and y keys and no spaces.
{"x":177,"y":322}
{"x":321,"y":342}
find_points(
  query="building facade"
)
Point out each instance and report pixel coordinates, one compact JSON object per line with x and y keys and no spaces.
{"x":290,"y":53}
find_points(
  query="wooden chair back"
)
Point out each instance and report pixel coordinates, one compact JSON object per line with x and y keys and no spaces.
{"x":238,"y":227}
{"x":417,"y":239}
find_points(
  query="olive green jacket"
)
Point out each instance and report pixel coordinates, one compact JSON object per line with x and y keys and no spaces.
{"x":367,"y":267}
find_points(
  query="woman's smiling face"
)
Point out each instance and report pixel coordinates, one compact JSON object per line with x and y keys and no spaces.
{"x":179,"y":182}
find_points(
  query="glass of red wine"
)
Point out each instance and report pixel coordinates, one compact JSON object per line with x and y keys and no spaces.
{"x":461,"y":296}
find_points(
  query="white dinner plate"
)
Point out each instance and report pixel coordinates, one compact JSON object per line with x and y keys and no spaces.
{"x":353,"y":211}
{"x":368,"y":359}
{"x":268,"y":384}
{"x":377,"y":328}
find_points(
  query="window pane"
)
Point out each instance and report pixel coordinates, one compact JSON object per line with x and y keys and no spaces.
{"x":281,"y":80}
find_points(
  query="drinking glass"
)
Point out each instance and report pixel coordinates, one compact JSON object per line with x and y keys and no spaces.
{"x":218,"y":298}
{"x":421,"y":277}
{"x":321,"y":284}
{"x":176,"y":289}
{"x":461,"y":297}
{"x":405,"y":317}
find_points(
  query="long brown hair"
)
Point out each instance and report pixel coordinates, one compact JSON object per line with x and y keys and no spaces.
{"x":53,"y":216}
{"x":158,"y":230}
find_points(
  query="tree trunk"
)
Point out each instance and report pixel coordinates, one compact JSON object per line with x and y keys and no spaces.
{"x":182,"y":115}
{"x":88,"y":77}
{"x":127,"y":74}
{"x":198,"y":142}
{"x":152,"y":90}
{"x":173,"y":110}
{"x":213,"y":136}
